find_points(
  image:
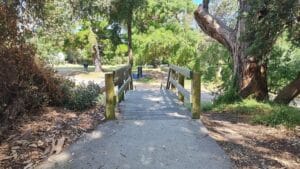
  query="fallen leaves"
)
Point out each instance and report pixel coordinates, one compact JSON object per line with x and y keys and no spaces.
{"x":254,"y":146}
{"x":31,"y":140}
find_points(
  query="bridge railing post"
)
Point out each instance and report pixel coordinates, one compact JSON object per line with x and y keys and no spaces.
{"x":131,"y":80}
{"x":181,"y":82}
{"x":110,"y":96}
{"x":173,"y":76}
{"x":196,"y":95}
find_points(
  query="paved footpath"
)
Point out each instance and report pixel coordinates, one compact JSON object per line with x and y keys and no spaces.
{"x":153,"y":131}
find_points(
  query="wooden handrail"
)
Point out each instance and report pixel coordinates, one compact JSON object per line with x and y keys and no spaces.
{"x":180,"y":88}
{"x":195,"y":95}
{"x":184,"y":71}
{"x":123,"y":79}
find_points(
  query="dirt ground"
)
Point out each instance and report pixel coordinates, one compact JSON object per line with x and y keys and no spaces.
{"x":32,"y":139}
{"x":254,"y":146}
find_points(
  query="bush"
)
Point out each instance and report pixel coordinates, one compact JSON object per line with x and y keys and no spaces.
{"x":206,"y":106}
{"x":25,"y":83}
{"x":230,"y":96}
{"x":82,"y":96}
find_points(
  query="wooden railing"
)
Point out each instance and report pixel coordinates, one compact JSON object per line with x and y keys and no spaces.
{"x":121,"y":78}
{"x":176,"y":78}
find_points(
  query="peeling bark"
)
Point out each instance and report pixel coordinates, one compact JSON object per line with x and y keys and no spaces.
{"x":97,"y":58}
{"x":214,"y":27}
{"x":250,"y":73}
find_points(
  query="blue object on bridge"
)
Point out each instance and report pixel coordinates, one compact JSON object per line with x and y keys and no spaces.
{"x":134,"y":76}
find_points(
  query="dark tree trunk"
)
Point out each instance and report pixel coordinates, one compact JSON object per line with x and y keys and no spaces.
{"x":288,"y":93}
{"x":249,"y":71}
{"x":129,"y":34}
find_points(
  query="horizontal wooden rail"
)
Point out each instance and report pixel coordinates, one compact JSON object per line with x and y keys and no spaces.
{"x":179,"y":73}
{"x":124,"y":87}
{"x":180,"y":88}
{"x":119,"y":74}
{"x":186,"y":72}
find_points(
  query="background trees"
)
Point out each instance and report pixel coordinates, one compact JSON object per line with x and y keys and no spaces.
{"x":122,"y":11}
{"x":102,"y":32}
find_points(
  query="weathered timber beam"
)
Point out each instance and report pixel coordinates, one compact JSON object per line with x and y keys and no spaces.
{"x":185,"y":72}
{"x":124,"y":86}
{"x":180,"y":89}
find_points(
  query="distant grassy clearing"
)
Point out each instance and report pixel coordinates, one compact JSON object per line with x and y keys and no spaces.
{"x":77,"y":70}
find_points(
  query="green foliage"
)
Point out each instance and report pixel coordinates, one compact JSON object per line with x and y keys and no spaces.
{"x":262,"y":113}
{"x":122,"y":10}
{"x":284,"y":61}
{"x":82,"y":96}
{"x":266,"y":20}
{"x":206,"y":106}
{"x":164,"y":33}
{"x":229,"y":96}
{"x":281,"y":115}
{"x":248,"y":106}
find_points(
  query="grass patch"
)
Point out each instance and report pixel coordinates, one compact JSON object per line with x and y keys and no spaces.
{"x":269,"y":114}
{"x":280,"y":115}
{"x":206,"y":106}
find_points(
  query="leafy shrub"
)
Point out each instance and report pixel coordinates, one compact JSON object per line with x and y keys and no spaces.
{"x":82,"y":96}
{"x":230,"y":96}
{"x":206,"y":106}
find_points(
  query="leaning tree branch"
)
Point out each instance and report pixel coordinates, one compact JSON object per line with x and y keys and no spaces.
{"x":289,"y":92}
{"x":213,"y":27}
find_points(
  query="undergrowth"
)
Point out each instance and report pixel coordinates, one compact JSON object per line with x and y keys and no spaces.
{"x":265,"y":113}
{"x":82,"y":97}
{"x":26,"y":84}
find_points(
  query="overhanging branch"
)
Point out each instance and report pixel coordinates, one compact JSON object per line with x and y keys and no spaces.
{"x":214,"y":27}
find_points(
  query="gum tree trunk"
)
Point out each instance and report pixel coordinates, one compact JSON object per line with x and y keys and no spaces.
{"x":97,"y":58}
{"x":249,"y":72}
{"x":129,"y":34}
{"x":289,"y":92}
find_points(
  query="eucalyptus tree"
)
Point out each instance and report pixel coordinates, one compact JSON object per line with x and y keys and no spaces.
{"x":95,"y":12}
{"x":259,"y":23}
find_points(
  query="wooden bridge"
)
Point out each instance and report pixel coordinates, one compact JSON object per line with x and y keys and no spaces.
{"x":119,"y":82}
{"x":154,"y":129}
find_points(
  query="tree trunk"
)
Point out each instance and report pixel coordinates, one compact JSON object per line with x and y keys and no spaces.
{"x":288,"y":93}
{"x":129,"y":34}
{"x":249,"y":72}
{"x":97,"y":58}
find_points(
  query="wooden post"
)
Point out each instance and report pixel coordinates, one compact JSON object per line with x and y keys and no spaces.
{"x":168,"y":81}
{"x":173,"y":75}
{"x":131,"y":81}
{"x":196,"y":91}
{"x":181,"y":82}
{"x":139,"y":72}
{"x":110,"y":96}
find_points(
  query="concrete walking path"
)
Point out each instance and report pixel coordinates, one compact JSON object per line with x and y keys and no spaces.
{"x":153,"y":131}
